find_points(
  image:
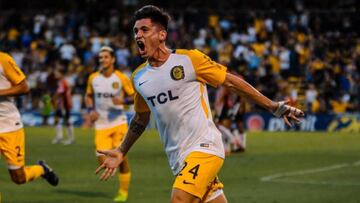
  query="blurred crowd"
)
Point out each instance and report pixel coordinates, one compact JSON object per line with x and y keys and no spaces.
{"x":306,"y":56}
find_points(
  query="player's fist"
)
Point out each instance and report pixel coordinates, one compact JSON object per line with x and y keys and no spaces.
{"x":94,"y":115}
{"x":118,"y":100}
{"x":286,"y":111}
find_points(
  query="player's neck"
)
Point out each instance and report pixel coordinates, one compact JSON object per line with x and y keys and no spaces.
{"x":160,"y":56}
{"x":107,"y":72}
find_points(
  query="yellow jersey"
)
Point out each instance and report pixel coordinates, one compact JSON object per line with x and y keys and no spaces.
{"x":10,"y":75}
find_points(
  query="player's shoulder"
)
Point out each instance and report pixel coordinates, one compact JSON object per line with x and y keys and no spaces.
{"x":4,"y":56}
{"x":192,"y":53}
{"x":140,"y":67}
{"x":120,"y":74}
{"x":94,"y":75}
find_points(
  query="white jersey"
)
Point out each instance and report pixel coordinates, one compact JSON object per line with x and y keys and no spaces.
{"x":176,"y":94}
{"x":10,"y":75}
{"x":104,"y":89}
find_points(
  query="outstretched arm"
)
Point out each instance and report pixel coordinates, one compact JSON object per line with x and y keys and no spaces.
{"x":19,"y":89}
{"x":279,"y":109}
{"x":241,"y":87}
{"x":116,"y":156}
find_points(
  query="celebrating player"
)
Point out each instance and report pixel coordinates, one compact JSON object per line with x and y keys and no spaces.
{"x":171,"y":84}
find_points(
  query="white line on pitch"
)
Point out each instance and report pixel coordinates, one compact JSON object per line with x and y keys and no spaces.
{"x":304,"y":172}
{"x":356,"y":163}
{"x":318,"y":182}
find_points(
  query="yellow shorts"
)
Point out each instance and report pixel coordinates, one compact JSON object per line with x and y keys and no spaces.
{"x":110,"y":138}
{"x":12,"y":148}
{"x":199,"y":175}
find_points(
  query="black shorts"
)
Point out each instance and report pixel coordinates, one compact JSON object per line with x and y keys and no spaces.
{"x":231,"y":113}
{"x":63,"y":113}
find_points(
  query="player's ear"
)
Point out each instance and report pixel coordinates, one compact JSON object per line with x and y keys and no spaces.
{"x":162,"y":35}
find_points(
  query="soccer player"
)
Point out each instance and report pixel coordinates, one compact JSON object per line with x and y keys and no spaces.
{"x":229,"y":108}
{"x":12,"y":136}
{"x":108,"y":90}
{"x":171,"y":84}
{"x":63,"y":104}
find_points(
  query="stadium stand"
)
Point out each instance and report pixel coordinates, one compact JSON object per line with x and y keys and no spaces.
{"x":306,"y":53}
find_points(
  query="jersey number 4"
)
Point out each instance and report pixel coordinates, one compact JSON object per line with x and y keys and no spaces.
{"x":194,"y":170}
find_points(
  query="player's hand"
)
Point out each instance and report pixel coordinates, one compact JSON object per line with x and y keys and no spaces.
{"x":288,"y":112}
{"x":111,"y":163}
{"x":94,"y":115}
{"x":118,"y":100}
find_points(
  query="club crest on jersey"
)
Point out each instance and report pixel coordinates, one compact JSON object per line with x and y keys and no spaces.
{"x":177,"y":73}
{"x":115,"y":85}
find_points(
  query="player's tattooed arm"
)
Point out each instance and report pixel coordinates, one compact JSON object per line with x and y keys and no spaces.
{"x":137,"y":127}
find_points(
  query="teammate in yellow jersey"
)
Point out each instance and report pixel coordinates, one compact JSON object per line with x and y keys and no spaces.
{"x":12,"y":137}
{"x":171,"y":84}
{"x":108,"y":90}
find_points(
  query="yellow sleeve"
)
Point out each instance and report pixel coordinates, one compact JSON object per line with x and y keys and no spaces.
{"x":12,"y":72}
{"x":126,"y":83}
{"x":89,"y":88}
{"x":206,"y":70}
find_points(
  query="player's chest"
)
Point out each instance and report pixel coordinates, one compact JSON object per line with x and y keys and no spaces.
{"x":173,"y":77}
{"x":164,"y":86}
{"x":4,"y":82}
{"x":105,"y":86}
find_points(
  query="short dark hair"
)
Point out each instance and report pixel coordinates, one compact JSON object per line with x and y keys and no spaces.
{"x":156,"y":15}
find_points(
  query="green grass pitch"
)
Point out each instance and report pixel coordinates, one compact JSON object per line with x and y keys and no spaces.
{"x":276,"y":168}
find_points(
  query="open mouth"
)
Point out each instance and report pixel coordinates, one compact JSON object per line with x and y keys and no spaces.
{"x":141,"y":45}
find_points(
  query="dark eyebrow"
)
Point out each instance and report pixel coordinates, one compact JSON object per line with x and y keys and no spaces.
{"x":140,"y":28}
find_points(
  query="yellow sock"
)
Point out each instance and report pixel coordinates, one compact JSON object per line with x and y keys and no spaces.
{"x":33,"y":172}
{"x":124,"y":180}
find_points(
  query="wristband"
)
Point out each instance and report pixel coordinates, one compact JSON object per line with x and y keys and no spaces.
{"x":90,"y":109}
